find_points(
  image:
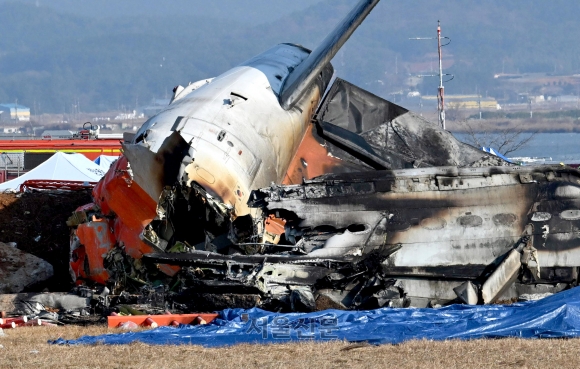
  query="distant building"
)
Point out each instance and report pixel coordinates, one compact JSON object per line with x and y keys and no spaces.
{"x":156,"y":106}
{"x":132,"y":115}
{"x":58,"y":135}
{"x":15,"y":112}
{"x":567,"y":99}
{"x":467,"y":101}
{"x":10,"y":130}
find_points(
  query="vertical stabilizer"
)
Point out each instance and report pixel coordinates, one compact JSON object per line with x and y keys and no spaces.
{"x":301,"y":78}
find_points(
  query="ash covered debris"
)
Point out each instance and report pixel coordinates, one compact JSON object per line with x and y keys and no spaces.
{"x":256,"y":189}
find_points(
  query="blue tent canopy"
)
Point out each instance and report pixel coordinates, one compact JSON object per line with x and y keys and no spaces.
{"x":552,"y":317}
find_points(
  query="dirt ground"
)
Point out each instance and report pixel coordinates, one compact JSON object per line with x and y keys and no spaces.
{"x":28,"y":348}
{"x":36,"y":221}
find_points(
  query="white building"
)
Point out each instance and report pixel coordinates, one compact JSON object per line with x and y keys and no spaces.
{"x":15,"y":112}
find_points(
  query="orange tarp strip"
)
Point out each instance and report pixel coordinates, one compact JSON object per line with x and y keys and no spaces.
{"x":161,"y":320}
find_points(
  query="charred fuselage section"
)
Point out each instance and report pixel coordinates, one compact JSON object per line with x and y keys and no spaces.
{"x":415,"y":237}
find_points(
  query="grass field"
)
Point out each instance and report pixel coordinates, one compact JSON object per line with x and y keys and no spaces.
{"x":28,"y":348}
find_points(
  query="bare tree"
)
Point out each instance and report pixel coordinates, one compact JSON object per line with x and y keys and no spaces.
{"x":454,"y":111}
{"x":505,"y":140}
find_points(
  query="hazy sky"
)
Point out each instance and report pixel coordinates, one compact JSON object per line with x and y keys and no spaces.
{"x":262,"y":11}
{"x":69,"y":48}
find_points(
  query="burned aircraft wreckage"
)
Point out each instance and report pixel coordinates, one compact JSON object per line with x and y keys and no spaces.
{"x":257,"y":188}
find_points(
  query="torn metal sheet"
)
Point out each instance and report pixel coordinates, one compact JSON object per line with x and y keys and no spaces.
{"x":255,"y":188}
{"x":501,"y":278}
{"x":398,"y":137}
{"x":467,"y":293}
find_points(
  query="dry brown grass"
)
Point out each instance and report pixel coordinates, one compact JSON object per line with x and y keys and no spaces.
{"x":28,"y":348}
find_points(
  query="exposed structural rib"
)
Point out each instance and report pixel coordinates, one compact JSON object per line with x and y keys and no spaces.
{"x":301,"y":78}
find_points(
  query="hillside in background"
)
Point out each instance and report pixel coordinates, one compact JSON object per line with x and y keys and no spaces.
{"x":249,"y":12}
{"x":101,"y":56}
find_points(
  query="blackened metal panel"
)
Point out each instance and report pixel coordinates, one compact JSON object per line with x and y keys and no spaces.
{"x":355,"y":109}
{"x":353,"y":144}
{"x":399,"y":137}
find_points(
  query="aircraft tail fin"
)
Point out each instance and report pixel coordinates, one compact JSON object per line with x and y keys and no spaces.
{"x":301,"y":78}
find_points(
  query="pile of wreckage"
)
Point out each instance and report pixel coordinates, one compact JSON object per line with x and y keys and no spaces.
{"x":277,"y":186}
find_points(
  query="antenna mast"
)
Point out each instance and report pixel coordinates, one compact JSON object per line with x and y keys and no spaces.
{"x":440,"y":90}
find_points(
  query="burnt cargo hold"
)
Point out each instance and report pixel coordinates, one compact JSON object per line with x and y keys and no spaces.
{"x":414,"y":237}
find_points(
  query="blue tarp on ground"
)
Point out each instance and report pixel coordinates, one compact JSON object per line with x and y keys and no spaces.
{"x":556,"y":316}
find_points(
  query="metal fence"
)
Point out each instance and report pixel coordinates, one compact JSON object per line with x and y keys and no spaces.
{"x":12,"y":161}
